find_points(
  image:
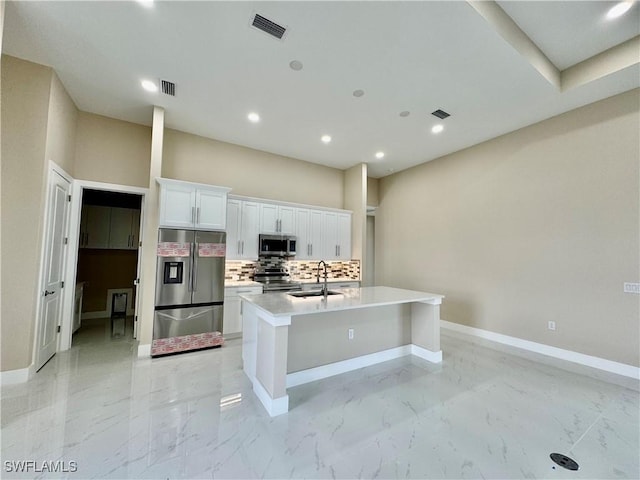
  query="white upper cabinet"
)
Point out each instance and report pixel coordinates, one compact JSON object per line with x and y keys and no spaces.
{"x":309,"y":233}
{"x":192,"y":205}
{"x":277,"y":219}
{"x":242,"y":229}
{"x":337,"y":236}
{"x":321,"y":234}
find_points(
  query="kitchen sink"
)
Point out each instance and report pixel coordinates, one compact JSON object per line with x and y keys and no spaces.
{"x":312,"y":293}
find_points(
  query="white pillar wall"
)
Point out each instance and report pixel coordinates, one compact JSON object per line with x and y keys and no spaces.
{"x":150,"y":237}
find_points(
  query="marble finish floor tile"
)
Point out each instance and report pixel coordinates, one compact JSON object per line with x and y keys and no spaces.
{"x":482,"y":413}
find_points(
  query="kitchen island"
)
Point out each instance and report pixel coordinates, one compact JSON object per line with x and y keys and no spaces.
{"x":289,"y":341}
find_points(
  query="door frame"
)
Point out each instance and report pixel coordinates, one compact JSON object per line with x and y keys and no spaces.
{"x":52,"y":169}
{"x":78,"y":188}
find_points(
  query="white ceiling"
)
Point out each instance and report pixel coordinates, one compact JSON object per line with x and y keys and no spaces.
{"x":415,"y":56}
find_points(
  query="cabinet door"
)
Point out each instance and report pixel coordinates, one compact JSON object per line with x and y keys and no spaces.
{"x":344,"y":236}
{"x":211,"y":209}
{"x":269,"y":221}
{"x":287,"y":219}
{"x":250,"y":229}
{"x":233,"y":232}
{"x":232,"y":320}
{"x":177,"y":206}
{"x":315,"y":235}
{"x":302,"y":233}
{"x":120,"y":228}
{"x":330,"y":235}
{"x":98,"y":219}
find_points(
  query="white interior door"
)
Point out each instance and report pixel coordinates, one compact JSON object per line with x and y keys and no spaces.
{"x":138,"y":219}
{"x":53,"y":270}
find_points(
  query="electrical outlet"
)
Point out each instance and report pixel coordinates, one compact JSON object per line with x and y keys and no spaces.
{"x":551,"y":325}
{"x":351,"y":334}
{"x":631,"y":287}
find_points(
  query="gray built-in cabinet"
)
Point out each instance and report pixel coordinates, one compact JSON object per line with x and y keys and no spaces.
{"x":109,"y":227}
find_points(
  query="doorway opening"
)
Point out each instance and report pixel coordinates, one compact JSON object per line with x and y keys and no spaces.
{"x":107,"y":268}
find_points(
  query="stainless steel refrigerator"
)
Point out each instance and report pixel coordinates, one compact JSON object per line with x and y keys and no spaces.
{"x":189,"y":291}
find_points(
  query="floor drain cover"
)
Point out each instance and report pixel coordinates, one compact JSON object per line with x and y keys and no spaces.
{"x":564,"y":461}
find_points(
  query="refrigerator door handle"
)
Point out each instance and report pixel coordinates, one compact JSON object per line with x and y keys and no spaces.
{"x":195,"y":267}
{"x":190,"y":287}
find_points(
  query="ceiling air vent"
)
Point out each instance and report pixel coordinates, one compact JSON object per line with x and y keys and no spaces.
{"x":440,"y":114}
{"x":168,"y":88}
{"x":267,"y":26}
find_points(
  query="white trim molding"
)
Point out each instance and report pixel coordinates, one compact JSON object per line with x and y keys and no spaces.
{"x":144,"y":350}
{"x":555,"y":352}
{"x":20,"y":375}
{"x":274,"y":406}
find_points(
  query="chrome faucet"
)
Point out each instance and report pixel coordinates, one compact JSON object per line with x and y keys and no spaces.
{"x":324,"y":287}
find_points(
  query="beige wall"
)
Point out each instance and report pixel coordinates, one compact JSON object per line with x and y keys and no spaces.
{"x":538,"y":225}
{"x":112,"y":151}
{"x":25,"y":94}
{"x":61,"y":131}
{"x":372,"y":192}
{"x":250,"y":172}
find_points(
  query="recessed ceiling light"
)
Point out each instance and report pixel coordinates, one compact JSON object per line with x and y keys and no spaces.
{"x":295,"y":65}
{"x":146,"y":3}
{"x":437,"y":128}
{"x":619,"y":9}
{"x":149,"y":86}
{"x":405,"y":113}
{"x":379,"y":155}
{"x":358,"y":93}
{"x":253,"y":117}
{"x":326,"y":138}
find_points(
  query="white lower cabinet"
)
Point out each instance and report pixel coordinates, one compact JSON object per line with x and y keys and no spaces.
{"x":232,"y":319}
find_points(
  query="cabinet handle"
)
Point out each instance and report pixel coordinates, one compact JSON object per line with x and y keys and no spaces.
{"x":198,"y":215}
{"x":242,"y":247}
{"x":193,"y":214}
{"x":336,"y":250}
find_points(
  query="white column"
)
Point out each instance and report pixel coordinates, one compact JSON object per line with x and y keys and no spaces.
{"x":150,"y":237}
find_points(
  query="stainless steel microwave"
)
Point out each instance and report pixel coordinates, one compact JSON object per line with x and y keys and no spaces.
{"x":277,"y":245}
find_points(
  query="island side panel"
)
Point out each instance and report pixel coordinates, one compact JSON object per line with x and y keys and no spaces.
{"x":249,"y":339}
{"x":322,"y":338}
{"x":425,"y":326}
{"x":271,"y":358}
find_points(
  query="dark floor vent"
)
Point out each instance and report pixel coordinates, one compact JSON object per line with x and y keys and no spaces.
{"x":168,"y":88}
{"x":440,"y":114}
{"x":564,"y":461}
{"x":267,"y":26}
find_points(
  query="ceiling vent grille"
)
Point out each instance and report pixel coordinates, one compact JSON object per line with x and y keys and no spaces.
{"x":267,"y":26}
{"x":441,"y":114}
{"x":168,"y":88}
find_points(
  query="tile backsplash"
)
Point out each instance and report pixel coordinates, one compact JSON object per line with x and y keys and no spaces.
{"x":240,"y":270}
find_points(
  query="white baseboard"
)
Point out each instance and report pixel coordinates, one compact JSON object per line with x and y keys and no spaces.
{"x":144,"y":350}
{"x":344,"y":366}
{"x":555,"y":352}
{"x":20,"y":375}
{"x":274,"y":406}
{"x":428,"y":355}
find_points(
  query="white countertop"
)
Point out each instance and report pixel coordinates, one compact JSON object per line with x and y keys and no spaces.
{"x":242,"y":283}
{"x":329,"y":280}
{"x":284,"y":305}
